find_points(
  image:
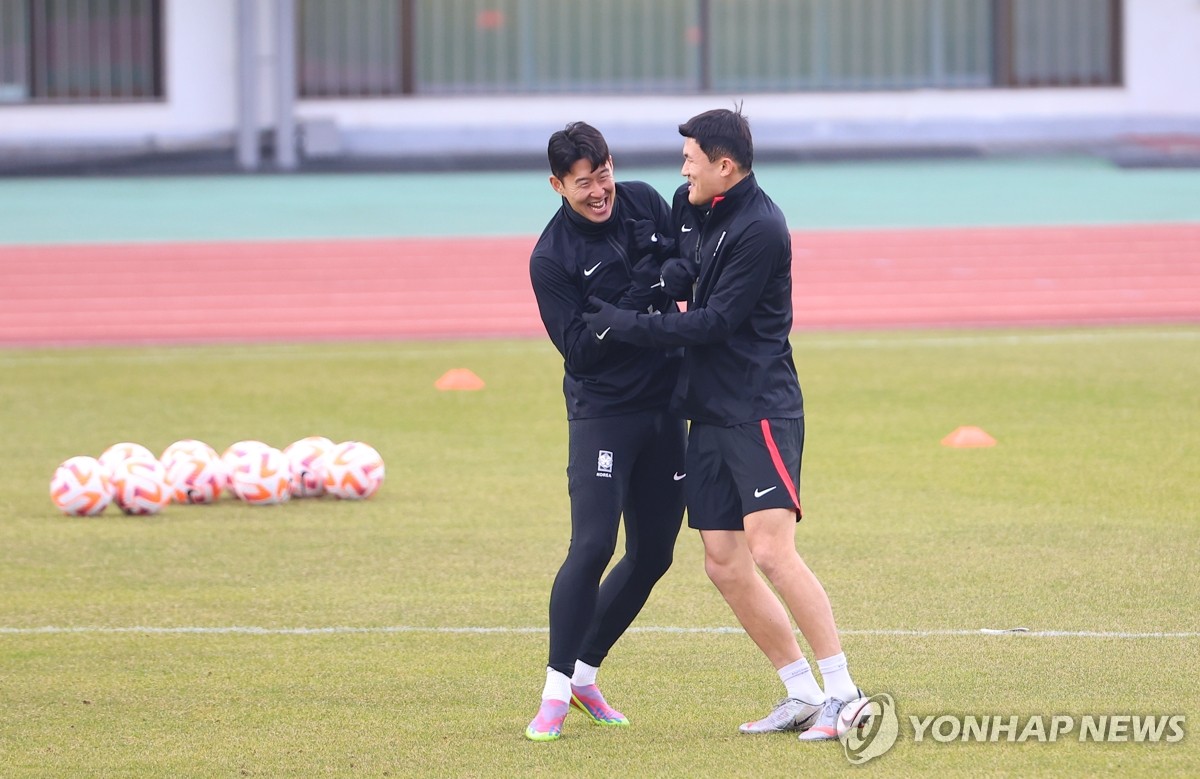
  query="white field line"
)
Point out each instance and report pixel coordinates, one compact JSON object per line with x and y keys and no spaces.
{"x":346,"y":629}
{"x":998,"y":339}
{"x":416,"y":349}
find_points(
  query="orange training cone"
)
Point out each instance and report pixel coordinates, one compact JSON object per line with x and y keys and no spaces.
{"x":459,"y":379}
{"x":965,"y":437}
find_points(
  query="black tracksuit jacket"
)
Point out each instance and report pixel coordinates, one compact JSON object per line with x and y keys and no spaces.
{"x":575,"y":258}
{"x":738,"y":363}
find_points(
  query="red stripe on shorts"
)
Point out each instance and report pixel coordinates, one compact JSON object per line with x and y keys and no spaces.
{"x":780,"y":468}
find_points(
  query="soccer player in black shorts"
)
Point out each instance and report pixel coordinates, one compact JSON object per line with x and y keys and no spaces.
{"x":739,"y":387}
{"x":625,"y":449}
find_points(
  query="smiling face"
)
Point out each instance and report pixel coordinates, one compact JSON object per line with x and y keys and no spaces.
{"x":706,"y":178}
{"x":589,"y":192}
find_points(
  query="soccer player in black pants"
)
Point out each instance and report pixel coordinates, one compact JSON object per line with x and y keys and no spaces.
{"x":739,"y":387}
{"x":625,"y":450}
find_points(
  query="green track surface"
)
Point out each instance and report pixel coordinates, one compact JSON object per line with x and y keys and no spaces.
{"x":931,"y":194}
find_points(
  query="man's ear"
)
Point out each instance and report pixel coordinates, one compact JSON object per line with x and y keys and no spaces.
{"x":557,"y":186}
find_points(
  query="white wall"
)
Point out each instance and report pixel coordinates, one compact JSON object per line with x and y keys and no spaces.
{"x":200,"y":102}
{"x":1162,"y":69}
{"x":1161,"y":94}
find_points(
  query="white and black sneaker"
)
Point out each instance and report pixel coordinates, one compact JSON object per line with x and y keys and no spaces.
{"x":825,"y":727}
{"x":789,"y":714}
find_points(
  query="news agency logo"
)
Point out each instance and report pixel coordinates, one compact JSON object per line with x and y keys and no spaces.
{"x":877,"y":733}
{"x":1038,"y":728}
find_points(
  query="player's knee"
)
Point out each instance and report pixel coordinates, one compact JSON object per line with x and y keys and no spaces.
{"x":592,"y":553}
{"x":656,"y":564}
{"x":773,"y":560}
{"x":722,"y":572}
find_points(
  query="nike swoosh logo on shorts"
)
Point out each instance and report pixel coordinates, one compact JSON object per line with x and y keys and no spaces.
{"x":600,"y":337}
{"x":685,"y":229}
{"x":760,"y":493}
{"x":678,"y":476}
{"x":591,"y":270}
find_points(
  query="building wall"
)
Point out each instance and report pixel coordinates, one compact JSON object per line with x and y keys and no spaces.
{"x":199,"y":109}
{"x":1161,"y":94}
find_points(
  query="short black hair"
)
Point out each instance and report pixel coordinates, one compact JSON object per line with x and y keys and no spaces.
{"x":577,"y":141}
{"x":722,"y":133}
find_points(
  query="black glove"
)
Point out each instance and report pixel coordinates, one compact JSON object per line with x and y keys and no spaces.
{"x":678,"y":277}
{"x":644,"y":237}
{"x":605,"y":320}
{"x":645,"y":287}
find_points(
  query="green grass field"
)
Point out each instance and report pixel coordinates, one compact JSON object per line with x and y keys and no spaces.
{"x":405,"y":635}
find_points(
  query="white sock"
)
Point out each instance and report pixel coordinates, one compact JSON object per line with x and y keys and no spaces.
{"x":558,"y":686}
{"x":798,"y":679}
{"x":584,"y":674}
{"x":836,"y":676}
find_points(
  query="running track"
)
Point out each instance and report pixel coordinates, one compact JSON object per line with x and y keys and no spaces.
{"x":479,"y":287}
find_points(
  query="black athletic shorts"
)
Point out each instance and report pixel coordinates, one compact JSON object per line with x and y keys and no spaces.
{"x":735,"y":471}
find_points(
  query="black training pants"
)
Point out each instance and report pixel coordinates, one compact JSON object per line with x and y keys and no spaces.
{"x":630,"y":465}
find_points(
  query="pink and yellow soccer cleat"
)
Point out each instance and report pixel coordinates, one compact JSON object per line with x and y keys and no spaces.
{"x":589,"y":700}
{"x":547,"y":725}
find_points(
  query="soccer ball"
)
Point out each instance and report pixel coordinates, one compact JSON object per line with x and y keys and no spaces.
{"x":353,"y":471}
{"x":80,"y":487}
{"x":195,"y":474}
{"x":234,"y":454}
{"x":123,"y":451}
{"x":140,"y":485}
{"x":239,"y":450}
{"x":188,"y":446}
{"x":307,"y":458}
{"x":195,"y":478}
{"x":854,"y":714}
{"x":261,"y":476}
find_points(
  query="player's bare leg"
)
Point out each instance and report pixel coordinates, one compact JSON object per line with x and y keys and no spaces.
{"x":757,"y":608}
{"x":771,"y":539}
{"x":730,"y":566}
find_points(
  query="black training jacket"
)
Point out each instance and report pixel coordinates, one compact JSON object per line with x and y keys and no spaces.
{"x":575,"y":258}
{"x":738,"y":363}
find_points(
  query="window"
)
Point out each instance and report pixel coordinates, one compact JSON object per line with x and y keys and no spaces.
{"x":80,"y":50}
{"x":353,"y":48}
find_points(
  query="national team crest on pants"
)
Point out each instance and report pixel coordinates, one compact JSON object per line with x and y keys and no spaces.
{"x":604,"y":464}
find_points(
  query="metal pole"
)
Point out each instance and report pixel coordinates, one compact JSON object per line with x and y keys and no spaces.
{"x":247,"y":115}
{"x":285,"y":84}
{"x":408,"y":39}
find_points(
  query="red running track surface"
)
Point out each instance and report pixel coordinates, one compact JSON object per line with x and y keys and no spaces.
{"x":479,"y":287}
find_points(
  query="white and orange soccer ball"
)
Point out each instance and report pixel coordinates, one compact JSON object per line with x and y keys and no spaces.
{"x":353,"y":471}
{"x":307,"y":458}
{"x":188,"y":446}
{"x":195,"y":474}
{"x":140,"y":485}
{"x":80,"y":487}
{"x":123,"y":451}
{"x":234,"y":453}
{"x":240,"y":449}
{"x":261,"y":476}
{"x":195,"y":478}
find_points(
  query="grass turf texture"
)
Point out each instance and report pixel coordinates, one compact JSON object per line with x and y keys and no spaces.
{"x":1082,"y":518}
